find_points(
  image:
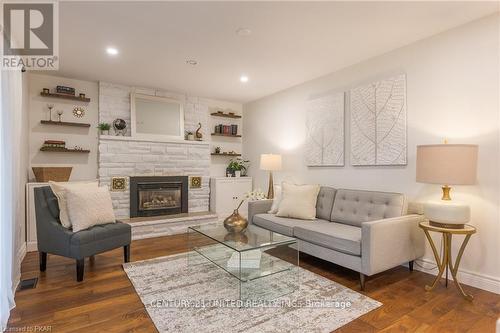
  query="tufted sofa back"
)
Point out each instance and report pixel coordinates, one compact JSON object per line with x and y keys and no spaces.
{"x":324,"y":203}
{"x":355,"y":206}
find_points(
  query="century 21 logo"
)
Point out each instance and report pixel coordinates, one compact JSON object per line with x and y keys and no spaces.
{"x":28,"y":29}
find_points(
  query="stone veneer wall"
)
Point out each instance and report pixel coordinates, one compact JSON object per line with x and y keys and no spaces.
{"x":138,"y":158}
{"x":129,"y":157}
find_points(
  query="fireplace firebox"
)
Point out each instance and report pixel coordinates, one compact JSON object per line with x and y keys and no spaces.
{"x":154,"y":196}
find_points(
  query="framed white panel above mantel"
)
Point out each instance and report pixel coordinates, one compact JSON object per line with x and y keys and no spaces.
{"x":150,"y":136}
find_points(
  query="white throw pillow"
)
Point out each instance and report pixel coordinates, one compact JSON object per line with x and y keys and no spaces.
{"x":87,"y":208}
{"x":60,"y":189}
{"x":298,"y":201}
{"x":276,"y":200}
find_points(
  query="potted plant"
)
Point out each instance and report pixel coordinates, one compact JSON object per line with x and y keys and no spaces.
{"x":104,"y":128}
{"x":217,"y":150}
{"x":189,"y":136}
{"x":238,"y":167}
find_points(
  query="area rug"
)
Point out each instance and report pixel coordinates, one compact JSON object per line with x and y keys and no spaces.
{"x":182,"y":297}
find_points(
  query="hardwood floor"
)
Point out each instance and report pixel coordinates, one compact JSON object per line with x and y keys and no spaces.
{"x":106,"y":301}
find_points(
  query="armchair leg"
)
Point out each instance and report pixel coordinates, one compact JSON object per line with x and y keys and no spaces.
{"x":362,"y":281}
{"x":80,"y":268}
{"x":126,"y":253}
{"x":410,"y":265}
{"x":43,"y":261}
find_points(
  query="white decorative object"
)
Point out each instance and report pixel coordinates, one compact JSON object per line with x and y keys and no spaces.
{"x":325,"y":131}
{"x":378,"y":122}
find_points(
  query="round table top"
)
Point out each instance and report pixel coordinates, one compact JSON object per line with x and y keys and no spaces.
{"x":467,"y":229}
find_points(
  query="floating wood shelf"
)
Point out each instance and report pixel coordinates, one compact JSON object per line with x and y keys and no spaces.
{"x":64,"y":150}
{"x":63,"y":96}
{"x":225,"y":115}
{"x":230,"y":135}
{"x":64,"y":123}
{"x":225,"y":154}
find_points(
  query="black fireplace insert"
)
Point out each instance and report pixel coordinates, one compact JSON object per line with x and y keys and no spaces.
{"x":154,"y":196}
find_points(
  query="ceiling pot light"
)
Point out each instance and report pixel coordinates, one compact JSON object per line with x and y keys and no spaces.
{"x":192,"y":62}
{"x":244,"y":79}
{"x":111,"y":51}
{"x":243,"y":32}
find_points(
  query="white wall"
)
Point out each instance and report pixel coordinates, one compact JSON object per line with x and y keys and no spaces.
{"x":84,"y":165}
{"x":452,"y":92}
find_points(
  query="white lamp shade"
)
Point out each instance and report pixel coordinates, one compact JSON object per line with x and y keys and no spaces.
{"x":270,"y":162}
{"x":447,"y":164}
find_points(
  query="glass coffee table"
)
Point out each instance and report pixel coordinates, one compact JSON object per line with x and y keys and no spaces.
{"x":247,"y":256}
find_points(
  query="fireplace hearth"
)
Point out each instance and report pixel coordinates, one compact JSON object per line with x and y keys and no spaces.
{"x":154,"y":196}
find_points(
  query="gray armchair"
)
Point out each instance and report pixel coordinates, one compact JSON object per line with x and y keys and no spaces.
{"x":53,"y":238}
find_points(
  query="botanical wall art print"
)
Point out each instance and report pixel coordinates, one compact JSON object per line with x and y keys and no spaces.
{"x":325,"y":130}
{"x":378,"y":122}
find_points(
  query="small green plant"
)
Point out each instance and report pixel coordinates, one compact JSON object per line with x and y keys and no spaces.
{"x":104,"y":126}
{"x":239,"y":164}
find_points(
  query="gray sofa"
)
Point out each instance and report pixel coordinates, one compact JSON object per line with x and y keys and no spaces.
{"x":368,"y":232}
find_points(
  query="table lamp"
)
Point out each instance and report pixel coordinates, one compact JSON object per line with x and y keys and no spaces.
{"x":270,"y":162}
{"x":447,"y":164}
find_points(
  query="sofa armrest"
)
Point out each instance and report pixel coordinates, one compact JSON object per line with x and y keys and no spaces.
{"x":390,"y":242}
{"x":258,"y":207}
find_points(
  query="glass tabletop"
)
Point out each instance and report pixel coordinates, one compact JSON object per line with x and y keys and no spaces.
{"x":252,"y":238}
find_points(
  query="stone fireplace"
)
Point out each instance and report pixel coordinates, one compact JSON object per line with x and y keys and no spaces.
{"x":161,"y":195}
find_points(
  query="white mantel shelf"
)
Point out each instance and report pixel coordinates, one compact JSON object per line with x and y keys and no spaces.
{"x":129,"y":138}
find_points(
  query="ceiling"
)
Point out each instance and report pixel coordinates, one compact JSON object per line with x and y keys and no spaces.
{"x":290,"y":42}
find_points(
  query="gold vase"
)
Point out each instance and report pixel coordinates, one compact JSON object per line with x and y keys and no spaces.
{"x":235,"y":222}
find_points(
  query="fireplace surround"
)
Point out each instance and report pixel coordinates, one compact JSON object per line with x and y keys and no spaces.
{"x":158,"y":195}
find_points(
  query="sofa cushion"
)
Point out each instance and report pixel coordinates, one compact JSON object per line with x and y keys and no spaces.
{"x":324,"y":204}
{"x":355,"y":206}
{"x":281,"y":225}
{"x":336,"y":236}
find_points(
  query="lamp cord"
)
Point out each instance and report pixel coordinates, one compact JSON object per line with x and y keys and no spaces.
{"x":441,"y":249}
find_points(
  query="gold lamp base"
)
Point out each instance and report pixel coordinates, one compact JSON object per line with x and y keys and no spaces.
{"x":446,"y":192}
{"x":270,"y":191}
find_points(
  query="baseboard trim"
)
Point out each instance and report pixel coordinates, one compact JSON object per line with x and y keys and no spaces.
{"x":21,"y":253}
{"x":473,"y":279}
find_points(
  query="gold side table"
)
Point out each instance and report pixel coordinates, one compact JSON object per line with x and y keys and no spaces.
{"x":447,"y":260}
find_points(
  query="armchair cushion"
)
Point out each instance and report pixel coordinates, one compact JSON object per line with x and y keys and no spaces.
{"x":99,"y":238}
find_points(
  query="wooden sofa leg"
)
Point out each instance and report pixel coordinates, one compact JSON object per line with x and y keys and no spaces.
{"x":43,"y":261}
{"x":80,"y":268}
{"x":126,"y":253}
{"x":362,"y":281}
{"x":410,"y":265}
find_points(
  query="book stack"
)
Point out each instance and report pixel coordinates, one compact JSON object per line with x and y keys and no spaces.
{"x":226,"y":129}
{"x":54,"y":144}
{"x":249,"y":259}
{"x":65,"y":90}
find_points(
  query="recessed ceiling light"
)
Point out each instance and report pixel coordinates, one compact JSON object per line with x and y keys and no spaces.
{"x":244,"y":79}
{"x":243,"y":32}
{"x":111,"y":51}
{"x":192,"y":62}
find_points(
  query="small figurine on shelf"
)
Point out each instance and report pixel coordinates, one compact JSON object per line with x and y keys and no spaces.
{"x":217,"y":150}
{"x":50,"y":107}
{"x":120,"y":126}
{"x":189,"y":136}
{"x":59,"y":114}
{"x":198,"y":134}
